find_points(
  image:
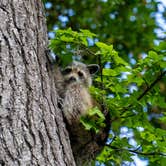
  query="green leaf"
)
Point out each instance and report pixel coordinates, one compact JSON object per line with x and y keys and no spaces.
{"x":86,"y":123}
{"x":109,"y":72}
{"x":163,"y":64}
{"x":96,"y":111}
{"x":161,"y":46}
{"x":104,"y":46}
{"x":94,"y":120}
{"x":67,"y":39}
{"x":87,"y":33}
{"x":163,"y":161}
{"x":120,"y":61}
{"x":153,"y":55}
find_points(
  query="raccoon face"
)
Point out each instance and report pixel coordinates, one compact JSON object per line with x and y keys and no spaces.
{"x":79,"y":73}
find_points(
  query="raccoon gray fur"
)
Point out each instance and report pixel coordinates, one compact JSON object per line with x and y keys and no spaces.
{"x":77,"y":99}
{"x":75,"y":82}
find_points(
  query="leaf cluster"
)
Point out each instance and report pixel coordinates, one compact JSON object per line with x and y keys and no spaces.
{"x":94,"y":120}
{"x":129,"y":25}
{"x":134,"y":96}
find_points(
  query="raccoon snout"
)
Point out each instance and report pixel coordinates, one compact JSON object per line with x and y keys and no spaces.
{"x":72,"y":79}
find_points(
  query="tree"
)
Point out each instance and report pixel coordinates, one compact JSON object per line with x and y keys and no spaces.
{"x":32,"y":131}
{"x":32,"y":128}
{"x":135,"y":96}
{"x":125,"y":96}
{"x":129,"y":25}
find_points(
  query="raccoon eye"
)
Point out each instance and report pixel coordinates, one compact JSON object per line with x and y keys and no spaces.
{"x":80,"y":74}
{"x":67,"y":71}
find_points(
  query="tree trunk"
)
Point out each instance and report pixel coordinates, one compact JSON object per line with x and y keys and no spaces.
{"x":32,"y":131}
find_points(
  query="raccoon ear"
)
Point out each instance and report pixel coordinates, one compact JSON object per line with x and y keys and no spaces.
{"x":93,"y":68}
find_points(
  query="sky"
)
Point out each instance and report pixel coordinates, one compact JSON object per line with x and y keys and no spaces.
{"x":161,"y":21}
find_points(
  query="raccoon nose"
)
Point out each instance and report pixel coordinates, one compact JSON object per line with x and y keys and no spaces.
{"x":72,"y":79}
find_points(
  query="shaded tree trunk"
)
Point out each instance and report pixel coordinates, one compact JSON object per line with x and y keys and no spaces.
{"x":32,"y":131}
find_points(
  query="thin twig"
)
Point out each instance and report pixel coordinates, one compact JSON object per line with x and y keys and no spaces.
{"x":146,"y":90}
{"x":152,"y":85}
{"x":137,"y":152}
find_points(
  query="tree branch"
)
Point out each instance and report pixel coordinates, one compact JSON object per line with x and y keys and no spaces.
{"x":146,"y":90}
{"x":137,"y":152}
{"x":152,"y":85}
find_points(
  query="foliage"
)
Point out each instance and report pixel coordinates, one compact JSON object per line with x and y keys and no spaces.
{"x":131,"y":82}
{"x":127,"y":106}
{"x":94,"y":120}
{"x":129,"y":25}
{"x":66,"y":41}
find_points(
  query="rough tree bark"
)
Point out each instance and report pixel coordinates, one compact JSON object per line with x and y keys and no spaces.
{"x":32,"y":131}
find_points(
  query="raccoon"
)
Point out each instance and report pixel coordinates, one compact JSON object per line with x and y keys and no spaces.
{"x":77,"y":78}
{"x":77,"y":99}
